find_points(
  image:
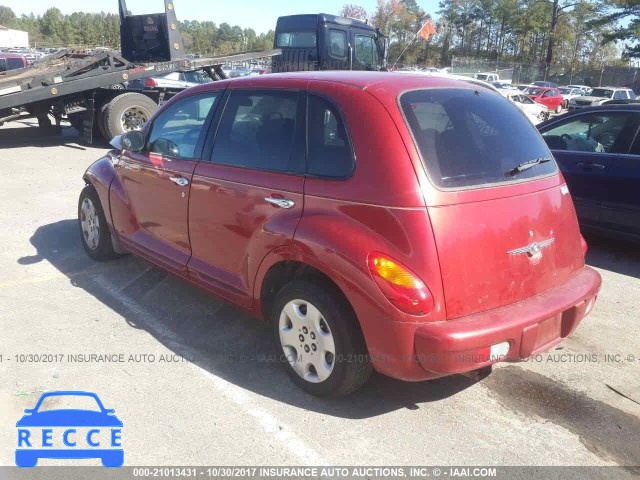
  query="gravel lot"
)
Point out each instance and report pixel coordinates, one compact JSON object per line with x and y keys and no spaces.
{"x":219,"y":401}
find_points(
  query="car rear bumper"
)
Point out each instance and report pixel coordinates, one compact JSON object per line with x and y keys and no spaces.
{"x":529,"y":327}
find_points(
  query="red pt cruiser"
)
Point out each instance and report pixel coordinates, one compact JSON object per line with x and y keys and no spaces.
{"x":415,"y":225}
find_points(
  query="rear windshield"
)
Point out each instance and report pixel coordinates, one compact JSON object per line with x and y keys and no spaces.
{"x":470,"y":138}
{"x":602,"y":92}
{"x":301,"y":39}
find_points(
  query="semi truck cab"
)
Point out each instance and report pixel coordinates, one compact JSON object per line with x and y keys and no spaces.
{"x":326,"y":42}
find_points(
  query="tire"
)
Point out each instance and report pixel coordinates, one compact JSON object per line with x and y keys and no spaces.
{"x":44,"y":121}
{"x":559,"y":109}
{"x":565,"y":105}
{"x":94,"y":230}
{"x":140,"y":107}
{"x":338,"y":373}
{"x":100,"y":116}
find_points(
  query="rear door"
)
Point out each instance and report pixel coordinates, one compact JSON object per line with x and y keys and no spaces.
{"x":585,"y":147}
{"x":156,"y":182}
{"x":504,"y":228}
{"x":247,"y":199}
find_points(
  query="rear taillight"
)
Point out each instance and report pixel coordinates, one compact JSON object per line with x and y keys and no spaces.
{"x":150,"y":82}
{"x":583,"y":244}
{"x":401,"y":286}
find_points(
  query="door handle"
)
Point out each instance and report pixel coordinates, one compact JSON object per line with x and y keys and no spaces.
{"x":180,"y":181}
{"x":590,"y":165}
{"x":280,"y":202}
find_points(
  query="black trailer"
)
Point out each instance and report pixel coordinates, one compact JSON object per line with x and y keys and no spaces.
{"x":89,"y":88}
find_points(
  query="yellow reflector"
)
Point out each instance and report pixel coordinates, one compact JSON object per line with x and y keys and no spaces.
{"x":394,"y":273}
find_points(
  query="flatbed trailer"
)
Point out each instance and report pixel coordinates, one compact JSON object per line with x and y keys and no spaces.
{"x":89,"y":88}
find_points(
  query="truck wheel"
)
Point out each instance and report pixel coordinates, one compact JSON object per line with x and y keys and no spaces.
{"x":126,"y":112}
{"x":44,"y":121}
{"x":318,"y":340}
{"x":100,"y":116}
{"x":94,"y":230}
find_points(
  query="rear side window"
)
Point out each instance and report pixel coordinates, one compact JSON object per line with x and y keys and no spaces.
{"x":471,"y":138}
{"x":257,"y":131}
{"x":14,"y":63}
{"x":329,"y":152}
{"x":302,"y":39}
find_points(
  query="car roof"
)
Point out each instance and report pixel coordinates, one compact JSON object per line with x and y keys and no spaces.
{"x":365,"y":80}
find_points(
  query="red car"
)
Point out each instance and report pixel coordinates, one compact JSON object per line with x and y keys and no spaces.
{"x":415,"y":225}
{"x":549,"y":97}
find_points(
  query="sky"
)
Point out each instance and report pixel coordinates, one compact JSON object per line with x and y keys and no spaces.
{"x":261,"y":15}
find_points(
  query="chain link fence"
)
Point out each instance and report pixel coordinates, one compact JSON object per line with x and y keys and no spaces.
{"x":520,"y":73}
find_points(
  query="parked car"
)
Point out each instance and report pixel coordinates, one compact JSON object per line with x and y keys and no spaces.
{"x":12,"y":61}
{"x":259,"y":71}
{"x":569,"y":93}
{"x":549,"y":97}
{"x":375,"y":220}
{"x":536,"y":112}
{"x":599,"y":95}
{"x":541,"y":83}
{"x":174,"y":81}
{"x":585,"y":88}
{"x":505,"y":88}
{"x":598,"y":151}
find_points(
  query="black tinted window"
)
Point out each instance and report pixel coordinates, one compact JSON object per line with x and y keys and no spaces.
{"x":338,"y":43}
{"x":472,"y":137}
{"x":14,"y":63}
{"x":257,"y":131}
{"x":176,"y":131}
{"x":329,"y":149}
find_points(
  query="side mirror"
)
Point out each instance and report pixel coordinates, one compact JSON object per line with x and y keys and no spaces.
{"x":133,"y":141}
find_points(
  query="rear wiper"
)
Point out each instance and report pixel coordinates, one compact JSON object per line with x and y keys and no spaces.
{"x":527,"y":165}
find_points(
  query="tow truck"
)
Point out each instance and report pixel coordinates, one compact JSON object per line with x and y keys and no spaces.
{"x":88,"y":87}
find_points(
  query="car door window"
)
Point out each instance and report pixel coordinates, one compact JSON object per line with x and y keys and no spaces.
{"x":329,"y":150}
{"x":593,"y":132}
{"x":257,"y":131}
{"x":338,"y":43}
{"x":193,"y":77}
{"x":177,"y":130}
{"x":620,"y":95}
{"x":366,"y":51}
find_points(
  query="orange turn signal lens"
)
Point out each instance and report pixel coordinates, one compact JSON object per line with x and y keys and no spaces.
{"x":394,"y":273}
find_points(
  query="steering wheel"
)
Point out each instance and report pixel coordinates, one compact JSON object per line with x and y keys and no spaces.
{"x":566,"y":136}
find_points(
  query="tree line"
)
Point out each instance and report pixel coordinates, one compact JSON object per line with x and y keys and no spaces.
{"x":55,"y":29}
{"x":572,"y":33}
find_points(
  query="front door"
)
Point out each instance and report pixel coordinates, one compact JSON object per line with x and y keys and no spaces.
{"x":585,"y":147}
{"x":248,"y":199}
{"x":621,"y":205}
{"x":365,"y":50}
{"x":156,"y":183}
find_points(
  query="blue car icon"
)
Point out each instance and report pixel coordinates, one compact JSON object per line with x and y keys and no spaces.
{"x":37,"y":429}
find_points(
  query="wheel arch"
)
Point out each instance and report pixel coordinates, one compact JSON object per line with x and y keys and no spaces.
{"x":101,"y":175}
{"x":283,"y":265}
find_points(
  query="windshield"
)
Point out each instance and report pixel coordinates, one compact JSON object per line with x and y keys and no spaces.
{"x":566,"y":91}
{"x":482,"y":76}
{"x":69,"y":402}
{"x":602,"y":92}
{"x":301,"y":39}
{"x":470,"y":138}
{"x":534,"y":91}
